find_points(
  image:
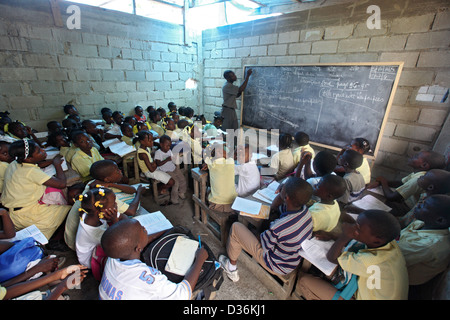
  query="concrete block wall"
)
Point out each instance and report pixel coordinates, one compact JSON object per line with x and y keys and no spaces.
{"x":115,"y":60}
{"x":416,"y":32}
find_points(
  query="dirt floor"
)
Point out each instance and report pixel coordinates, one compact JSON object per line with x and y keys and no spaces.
{"x":247,"y":288}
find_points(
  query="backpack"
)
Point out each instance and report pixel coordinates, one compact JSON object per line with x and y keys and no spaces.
{"x":158,"y":251}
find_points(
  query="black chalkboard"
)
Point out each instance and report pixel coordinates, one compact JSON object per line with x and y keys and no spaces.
{"x":331,"y":103}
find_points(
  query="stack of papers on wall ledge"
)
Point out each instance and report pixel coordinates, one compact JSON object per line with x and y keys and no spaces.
{"x":251,"y":208}
{"x":369,"y":202}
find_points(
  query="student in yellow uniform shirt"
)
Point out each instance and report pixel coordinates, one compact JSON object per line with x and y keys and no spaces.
{"x":85,"y":156}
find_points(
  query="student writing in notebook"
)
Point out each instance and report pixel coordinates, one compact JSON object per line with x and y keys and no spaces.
{"x":126,"y":277}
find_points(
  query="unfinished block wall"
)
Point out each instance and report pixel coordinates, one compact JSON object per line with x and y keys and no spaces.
{"x":415,"y":32}
{"x":114,"y":60}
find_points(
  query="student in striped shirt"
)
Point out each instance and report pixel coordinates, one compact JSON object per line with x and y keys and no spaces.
{"x":277,"y":248}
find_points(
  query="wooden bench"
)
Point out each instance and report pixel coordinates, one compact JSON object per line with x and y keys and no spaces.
{"x":218,"y":222}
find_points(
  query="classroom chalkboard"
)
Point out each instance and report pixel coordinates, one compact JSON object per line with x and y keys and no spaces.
{"x":331,"y":103}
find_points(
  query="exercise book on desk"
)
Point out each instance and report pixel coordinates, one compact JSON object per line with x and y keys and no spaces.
{"x":267,"y":194}
{"x":369,"y":202}
{"x":154,"y":222}
{"x":182,"y":255}
{"x":121,"y":148}
{"x":315,"y":251}
{"x":251,"y":208}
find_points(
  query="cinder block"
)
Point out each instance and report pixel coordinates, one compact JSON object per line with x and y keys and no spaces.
{"x":141,"y":65}
{"x":12,"y":88}
{"x":409,"y":114}
{"x":162,"y":86}
{"x":229,"y":53}
{"x":300,"y":48}
{"x":440,"y":59}
{"x":122,"y":64}
{"x":177,"y":67}
{"x":40,"y":60}
{"x":153,"y":76}
{"x":285,"y":60}
{"x":308,"y":59}
{"x":413,"y":132}
{"x":391,"y":43}
{"x":95,"y":39}
{"x":394,"y":145}
{"x":286,"y":37}
{"x":161,"y":66}
{"x":333,"y":58}
{"x":84,"y":50}
{"x":169,"y":57}
{"x":251,"y":41}
{"x":175,"y":48}
{"x":389,"y":129}
{"x":338,"y":32}
{"x":27,"y":31}
{"x":13,"y":44}
{"x":442,"y":21}
{"x":311,"y":35}
{"x":416,"y":78}
{"x":268,"y":61}
{"x":46,"y":87}
{"x":25,"y":102}
{"x":234,"y":43}
{"x":145,"y":86}
{"x":77,"y":87}
{"x":88,"y":75}
{"x":277,"y":50}
{"x":135,"y":75}
{"x":409,"y":58}
{"x":362,"y":31}
{"x":137,"y":97}
{"x":46,"y":46}
{"x":118,"y":42}
{"x":433,"y":117}
{"x":429,"y":40}
{"x":98,"y":63}
{"x":92,"y":98}
{"x":51,"y":74}
{"x":170,"y":76}
{"x":329,"y":46}
{"x":353,"y":45}
{"x":401,"y":96}
{"x":113,"y":75}
{"x":258,"y":51}
{"x":158,"y":46}
{"x":268,"y":38}
{"x":362,"y":57}
{"x":103,"y":86}
{"x":116,"y":97}
{"x":126,"y":86}
{"x":72,"y":62}
{"x":412,"y":24}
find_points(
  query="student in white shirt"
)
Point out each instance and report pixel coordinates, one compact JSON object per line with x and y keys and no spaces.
{"x":126,"y":277}
{"x":249,"y":176}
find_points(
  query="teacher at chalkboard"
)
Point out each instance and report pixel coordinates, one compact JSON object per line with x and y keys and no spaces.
{"x":230,"y":93}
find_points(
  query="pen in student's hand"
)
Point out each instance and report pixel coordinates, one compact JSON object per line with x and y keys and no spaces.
{"x":199,"y":241}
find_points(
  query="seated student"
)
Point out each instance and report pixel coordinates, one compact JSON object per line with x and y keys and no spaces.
{"x":5,"y":160}
{"x":302,"y":139}
{"x":324,"y":163}
{"x":425,"y":242}
{"x":350,"y":160}
{"x":54,"y":126}
{"x":24,"y":185}
{"x":172,"y":107}
{"x":96,"y":134}
{"x":162,"y":113}
{"x":77,"y":120}
{"x":70,"y":109}
{"x":277,"y":249}
{"x":362,"y":146}
{"x":154,"y":118}
{"x":282,"y":162}
{"x":59,"y":140}
{"x":107,"y":117}
{"x":192,"y":136}
{"x":377,"y":231}
{"x":407,"y":191}
{"x":176,"y":117}
{"x":114,"y":131}
{"x":105,"y":173}
{"x":211,"y":128}
{"x":221,"y":178}
{"x":326,"y":213}
{"x":180,"y":129}
{"x":124,"y":272}
{"x":140,"y":126}
{"x":168,"y":124}
{"x":181,"y":112}
{"x":29,"y":289}
{"x":247,"y":170}
{"x":166,"y":163}
{"x":139,"y":114}
{"x":98,"y":211}
{"x":189,"y":114}
{"x":69,"y":125}
{"x":146,"y":163}
{"x":17,"y":130}
{"x":435,"y":181}
{"x":85,"y":156}
{"x":128,"y":135}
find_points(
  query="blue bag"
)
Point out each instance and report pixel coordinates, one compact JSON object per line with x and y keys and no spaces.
{"x":14,"y":261}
